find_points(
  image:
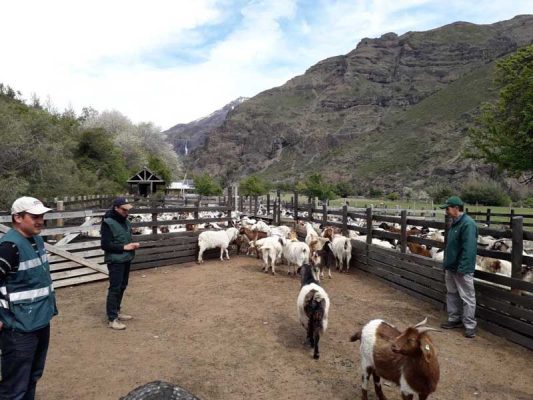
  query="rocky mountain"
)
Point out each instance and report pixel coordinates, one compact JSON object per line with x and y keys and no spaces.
{"x":393,"y":112}
{"x":187,"y":137}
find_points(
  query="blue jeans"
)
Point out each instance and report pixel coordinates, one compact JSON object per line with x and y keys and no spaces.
{"x":22,"y":362}
{"x":118,"y":281}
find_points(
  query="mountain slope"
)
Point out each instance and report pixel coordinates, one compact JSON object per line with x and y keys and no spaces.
{"x":194,"y":134}
{"x":390,"y":113}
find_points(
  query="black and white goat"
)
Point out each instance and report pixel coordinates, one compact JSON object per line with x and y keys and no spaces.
{"x":312,"y":305}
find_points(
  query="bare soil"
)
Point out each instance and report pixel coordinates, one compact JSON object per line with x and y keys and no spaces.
{"x":225,"y":330}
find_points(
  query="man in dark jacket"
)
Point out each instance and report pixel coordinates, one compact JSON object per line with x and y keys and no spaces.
{"x":459,"y":264}
{"x":119,"y":251}
{"x":27,"y":301}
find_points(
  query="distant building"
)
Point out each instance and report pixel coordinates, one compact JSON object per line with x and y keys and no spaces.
{"x":180,"y":188}
{"x":145,"y":182}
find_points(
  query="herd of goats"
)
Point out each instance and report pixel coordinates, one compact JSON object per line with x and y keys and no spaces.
{"x":406,"y":358}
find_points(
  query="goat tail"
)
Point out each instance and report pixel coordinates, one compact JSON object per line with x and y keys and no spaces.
{"x":346,"y":243}
{"x":356,"y":336}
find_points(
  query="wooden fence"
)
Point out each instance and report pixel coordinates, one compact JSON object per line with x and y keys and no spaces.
{"x":505,"y":304}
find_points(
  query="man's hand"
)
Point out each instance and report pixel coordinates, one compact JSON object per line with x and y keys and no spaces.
{"x":1,"y":325}
{"x":131,"y":246}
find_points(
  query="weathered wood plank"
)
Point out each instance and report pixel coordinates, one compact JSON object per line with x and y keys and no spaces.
{"x":506,"y":333}
{"x":70,"y":256}
{"x":79,"y":279}
{"x":504,"y":307}
{"x":516,"y":325}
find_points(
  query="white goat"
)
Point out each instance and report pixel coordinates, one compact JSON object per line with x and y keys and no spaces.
{"x":311,"y":233}
{"x":214,"y":239}
{"x":295,"y":252}
{"x":342,"y":250}
{"x":271,"y":249}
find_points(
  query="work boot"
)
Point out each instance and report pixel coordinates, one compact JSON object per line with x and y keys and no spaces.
{"x":124,"y":317}
{"x":115,"y":324}
{"x":451,"y":325}
{"x":470,"y":333}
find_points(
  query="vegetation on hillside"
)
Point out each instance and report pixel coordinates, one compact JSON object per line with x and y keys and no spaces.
{"x":48,"y":154}
{"x":505,"y":136}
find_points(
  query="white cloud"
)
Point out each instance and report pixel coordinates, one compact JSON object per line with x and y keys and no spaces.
{"x":109,"y":54}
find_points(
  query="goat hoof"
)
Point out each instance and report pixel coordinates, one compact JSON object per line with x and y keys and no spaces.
{"x":316,"y":356}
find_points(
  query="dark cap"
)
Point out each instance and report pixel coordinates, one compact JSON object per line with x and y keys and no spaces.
{"x":122,"y":202}
{"x":453,"y":201}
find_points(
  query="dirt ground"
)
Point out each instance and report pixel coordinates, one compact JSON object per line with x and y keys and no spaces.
{"x":228,"y":331}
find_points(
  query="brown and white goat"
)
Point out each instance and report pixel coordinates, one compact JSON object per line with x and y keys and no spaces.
{"x":252,"y":236}
{"x":406,"y":358}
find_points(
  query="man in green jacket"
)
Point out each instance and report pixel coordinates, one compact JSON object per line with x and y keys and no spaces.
{"x":27,"y":301}
{"x":119,"y":249}
{"x":459,"y":264}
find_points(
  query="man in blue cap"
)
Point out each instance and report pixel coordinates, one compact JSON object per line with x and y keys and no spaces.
{"x":459,"y":264}
{"x":119,"y":250}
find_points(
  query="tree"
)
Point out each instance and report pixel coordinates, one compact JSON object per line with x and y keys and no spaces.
{"x":344,"y":189}
{"x":253,"y":186}
{"x":505,"y":135}
{"x":160,"y":168}
{"x":316,"y":187}
{"x":205,"y":185}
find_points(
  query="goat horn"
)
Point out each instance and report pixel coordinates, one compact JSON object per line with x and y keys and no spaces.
{"x":427,"y":328}
{"x":422,"y":322}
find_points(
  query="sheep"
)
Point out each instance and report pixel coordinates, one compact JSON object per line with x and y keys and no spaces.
{"x":313,"y":306}
{"x":271,"y":249}
{"x":295,"y":252}
{"x":213,"y":239}
{"x":342,"y":250}
{"x":406,"y":358}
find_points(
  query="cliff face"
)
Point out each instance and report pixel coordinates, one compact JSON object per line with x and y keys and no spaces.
{"x":187,"y":137}
{"x":392,"y":112}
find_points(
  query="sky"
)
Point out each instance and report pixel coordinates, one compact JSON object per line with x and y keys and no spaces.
{"x":170,"y":62}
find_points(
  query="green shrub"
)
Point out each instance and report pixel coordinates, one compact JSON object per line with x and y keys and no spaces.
{"x":528,"y":202}
{"x":393,"y":196}
{"x":485,"y":192}
{"x":439,"y":193}
{"x":375,"y":192}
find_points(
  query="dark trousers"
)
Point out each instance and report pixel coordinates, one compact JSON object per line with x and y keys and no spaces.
{"x":22,"y":362}
{"x":118,"y":281}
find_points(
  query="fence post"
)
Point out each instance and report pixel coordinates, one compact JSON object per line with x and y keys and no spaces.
{"x":345,"y":219}
{"x":511,"y":218}
{"x":369,"y":225}
{"x":296,"y":206}
{"x":255,"y":204}
{"x":196,"y":213}
{"x":268,"y":204}
{"x":154,"y":219}
{"x":447,"y":225}
{"x":230,"y":198}
{"x":60,"y":206}
{"x":517,"y":224}
{"x":278,"y":211}
{"x":324,"y":214}
{"x":487,"y":217}
{"x":403,"y":232}
{"x":310,"y":211}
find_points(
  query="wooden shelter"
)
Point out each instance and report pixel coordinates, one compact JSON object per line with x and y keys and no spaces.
{"x":145,"y":182}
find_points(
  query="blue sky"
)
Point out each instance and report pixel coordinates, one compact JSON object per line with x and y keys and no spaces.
{"x":171,"y":62}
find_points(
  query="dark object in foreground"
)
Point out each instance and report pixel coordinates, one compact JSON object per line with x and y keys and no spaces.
{"x":159,"y":390}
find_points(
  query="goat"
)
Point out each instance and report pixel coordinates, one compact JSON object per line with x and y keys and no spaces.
{"x":252,"y":236}
{"x":342,"y":250}
{"x":311,"y":233}
{"x":213,"y":239}
{"x":322,"y":255}
{"x":313,"y":306}
{"x":406,"y":358}
{"x":271,"y":249}
{"x":295,"y":252}
{"x":420,"y":249}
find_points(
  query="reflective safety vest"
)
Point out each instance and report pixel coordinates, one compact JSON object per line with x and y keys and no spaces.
{"x":121,"y":236}
{"x":27,"y":298}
